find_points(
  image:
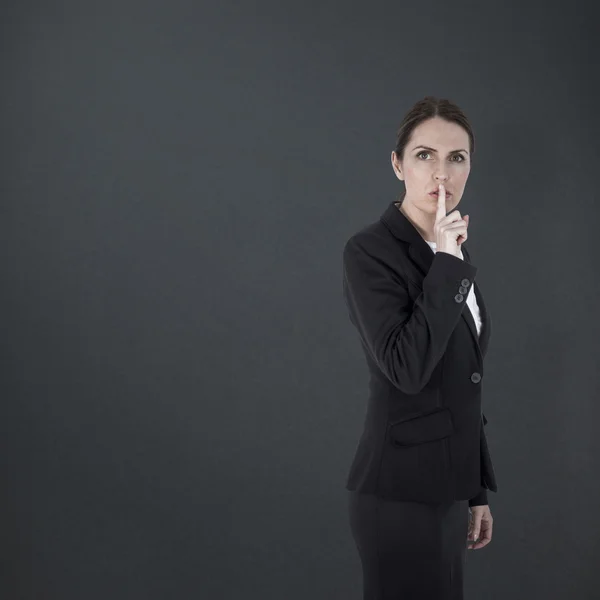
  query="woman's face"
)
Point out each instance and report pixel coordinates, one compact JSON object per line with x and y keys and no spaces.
{"x":444,"y":159}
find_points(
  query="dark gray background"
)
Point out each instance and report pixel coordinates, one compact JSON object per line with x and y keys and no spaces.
{"x":182,"y":388}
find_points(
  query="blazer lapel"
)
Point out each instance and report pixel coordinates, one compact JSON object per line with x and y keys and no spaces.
{"x":422,"y":255}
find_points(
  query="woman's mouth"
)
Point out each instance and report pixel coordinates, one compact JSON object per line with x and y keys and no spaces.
{"x":436,"y":194}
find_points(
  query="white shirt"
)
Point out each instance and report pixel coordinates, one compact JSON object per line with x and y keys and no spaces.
{"x":471,"y":299}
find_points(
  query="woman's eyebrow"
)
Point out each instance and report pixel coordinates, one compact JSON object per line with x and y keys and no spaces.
{"x":434,"y":150}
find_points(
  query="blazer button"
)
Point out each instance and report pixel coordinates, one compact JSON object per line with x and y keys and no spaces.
{"x":463,"y":290}
{"x":476,"y":377}
{"x":465,"y":282}
{"x":458,"y":298}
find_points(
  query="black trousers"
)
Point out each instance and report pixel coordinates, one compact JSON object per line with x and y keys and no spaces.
{"x":410,"y":550}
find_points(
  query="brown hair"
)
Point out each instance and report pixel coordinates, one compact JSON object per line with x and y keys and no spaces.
{"x":425,"y":109}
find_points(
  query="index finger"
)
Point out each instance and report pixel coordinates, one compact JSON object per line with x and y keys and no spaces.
{"x":441,"y":205}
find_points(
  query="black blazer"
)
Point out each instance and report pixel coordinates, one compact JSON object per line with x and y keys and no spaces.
{"x":423,"y":437}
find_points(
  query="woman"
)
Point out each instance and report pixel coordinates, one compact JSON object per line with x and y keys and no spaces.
{"x":418,"y":483}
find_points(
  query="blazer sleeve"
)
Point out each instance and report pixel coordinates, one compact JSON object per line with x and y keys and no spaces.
{"x":480,"y":499}
{"x":405,"y":339}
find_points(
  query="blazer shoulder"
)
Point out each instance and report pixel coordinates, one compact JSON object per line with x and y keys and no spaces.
{"x":373,"y":239}
{"x":374,"y":253}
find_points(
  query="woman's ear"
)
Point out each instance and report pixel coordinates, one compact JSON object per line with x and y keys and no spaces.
{"x":397,"y":168}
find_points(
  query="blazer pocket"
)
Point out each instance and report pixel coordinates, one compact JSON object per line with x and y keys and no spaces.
{"x":429,"y":427}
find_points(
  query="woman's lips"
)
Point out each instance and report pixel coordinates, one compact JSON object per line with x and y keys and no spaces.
{"x":435,"y":194}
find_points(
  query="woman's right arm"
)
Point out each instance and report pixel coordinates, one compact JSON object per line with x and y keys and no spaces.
{"x":406,"y":339}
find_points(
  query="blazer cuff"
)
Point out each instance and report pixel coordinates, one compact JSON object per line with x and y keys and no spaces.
{"x":480,"y":499}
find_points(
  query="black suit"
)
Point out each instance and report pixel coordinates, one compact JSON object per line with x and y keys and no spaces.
{"x":423,"y":437}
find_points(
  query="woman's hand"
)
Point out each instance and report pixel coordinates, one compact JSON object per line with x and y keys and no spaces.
{"x":450,"y":230}
{"x":480,"y":526}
